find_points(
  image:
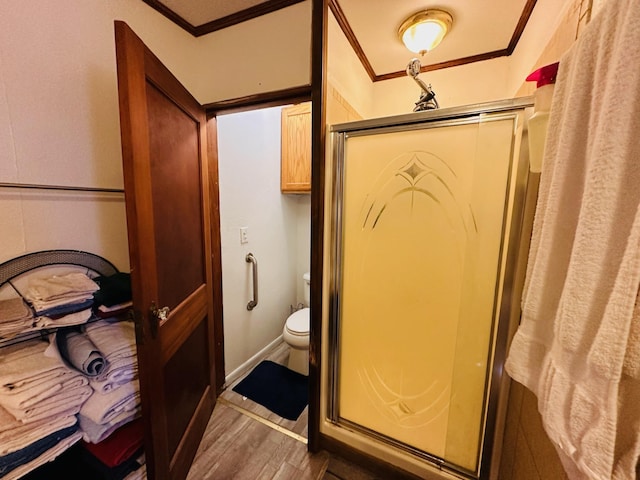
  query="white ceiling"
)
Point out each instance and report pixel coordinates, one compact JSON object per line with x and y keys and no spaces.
{"x":480,"y":27}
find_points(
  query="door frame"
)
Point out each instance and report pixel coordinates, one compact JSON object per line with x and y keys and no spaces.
{"x":319,"y":22}
{"x":316,"y":92}
{"x":213,"y":110}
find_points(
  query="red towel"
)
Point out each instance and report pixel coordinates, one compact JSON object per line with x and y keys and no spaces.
{"x":119,"y":446}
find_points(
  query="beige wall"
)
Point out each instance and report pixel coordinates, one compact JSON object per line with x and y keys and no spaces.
{"x":59,"y":121}
{"x":463,"y":85}
{"x":268,"y":53}
{"x":575,"y":17}
{"x":345,"y":73}
{"x":547,"y":22}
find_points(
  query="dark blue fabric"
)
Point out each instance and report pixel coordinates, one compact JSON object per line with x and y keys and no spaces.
{"x":14,"y":460}
{"x":114,"y":290}
{"x":274,"y":386}
{"x":65,"y":309}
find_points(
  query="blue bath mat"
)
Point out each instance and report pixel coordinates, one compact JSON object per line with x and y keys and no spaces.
{"x":274,"y":386}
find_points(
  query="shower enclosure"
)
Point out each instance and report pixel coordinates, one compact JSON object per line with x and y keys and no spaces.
{"x":427,"y":219}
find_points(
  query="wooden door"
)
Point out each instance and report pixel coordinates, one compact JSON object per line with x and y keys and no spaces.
{"x":169,"y":194}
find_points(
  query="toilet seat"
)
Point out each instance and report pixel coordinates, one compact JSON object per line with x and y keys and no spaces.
{"x":298,"y":323}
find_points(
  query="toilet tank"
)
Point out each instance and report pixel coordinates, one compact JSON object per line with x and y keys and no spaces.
{"x":307,"y":287}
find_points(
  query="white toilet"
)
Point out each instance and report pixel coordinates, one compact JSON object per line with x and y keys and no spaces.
{"x":296,"y":334}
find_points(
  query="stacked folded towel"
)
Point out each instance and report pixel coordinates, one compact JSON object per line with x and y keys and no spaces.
{"x":45,"y":294}
{"x":34,"y":387}
{"x":39,"y":398}
{"x":116,"y":400}
{"x":78,"y":351}
{"x":61,"y":299}
{"x":102,"y":408}
{"x":15,"y":317}
{"x":75,"y":318}
{"x":50,"y":448}
{"x":95,"y":432}
{"x":16,"y":436}
{"x":117,"y":344}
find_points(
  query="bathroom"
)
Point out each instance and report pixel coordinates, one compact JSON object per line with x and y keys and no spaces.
{"x":275,"y":228}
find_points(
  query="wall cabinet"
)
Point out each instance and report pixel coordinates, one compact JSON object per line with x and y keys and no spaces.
{"x":295,"y":172}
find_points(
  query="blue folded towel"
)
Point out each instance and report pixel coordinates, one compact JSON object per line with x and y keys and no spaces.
{"x":15,"y":459}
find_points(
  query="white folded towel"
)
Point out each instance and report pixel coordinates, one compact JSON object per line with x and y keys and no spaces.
{"x":76,"y":301}
{"x":77,"y":318}
{"x":11,"y":329}
{"x":24,"y":365}
{"x":576,"y":348}
{"x":24,"y":398}
{"x":96,"y":432}
{"x":102,"y":408}
{"x":58,"y":287}
{"x":118,"y":373}
{"x":33,"y":386}
{"x":14,"y":310}
{"x":15,"y":435}
{"x":64,"y":401}
{"x":114,"y":340}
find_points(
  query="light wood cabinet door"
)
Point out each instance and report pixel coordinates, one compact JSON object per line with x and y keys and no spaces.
{"x":295,"y":173}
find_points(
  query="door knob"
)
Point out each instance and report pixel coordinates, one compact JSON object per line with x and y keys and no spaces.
{"x":157,"y":315}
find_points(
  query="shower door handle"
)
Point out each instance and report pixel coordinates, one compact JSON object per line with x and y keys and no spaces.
{"x":251,"y":259}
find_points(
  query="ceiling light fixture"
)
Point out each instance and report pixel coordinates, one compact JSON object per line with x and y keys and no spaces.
{"x":423,"y":31}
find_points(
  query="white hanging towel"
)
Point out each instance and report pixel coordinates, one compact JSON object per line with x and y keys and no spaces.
{"x":577,"y":345}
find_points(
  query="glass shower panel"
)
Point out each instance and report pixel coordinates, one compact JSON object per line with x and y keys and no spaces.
{"x":423,"y":217}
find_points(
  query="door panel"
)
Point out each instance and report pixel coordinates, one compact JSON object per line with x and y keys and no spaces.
{"x":183,"y":392}
{"x":173,"y":137}
{"x":169,"y":201}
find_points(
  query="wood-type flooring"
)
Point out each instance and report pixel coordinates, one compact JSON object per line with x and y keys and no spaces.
{"x":245,"y":441}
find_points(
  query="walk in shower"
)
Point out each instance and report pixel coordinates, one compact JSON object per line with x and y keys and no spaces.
{"x":427,"y":217}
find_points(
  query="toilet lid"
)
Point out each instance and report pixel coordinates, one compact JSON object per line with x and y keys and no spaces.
{"x":298,"y":322}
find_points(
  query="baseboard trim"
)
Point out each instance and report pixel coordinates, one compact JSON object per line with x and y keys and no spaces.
{"x":252,"y":362}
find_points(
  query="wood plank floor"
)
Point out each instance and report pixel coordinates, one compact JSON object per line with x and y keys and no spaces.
{"x":236,"y":446}
{"x":244,"y":440}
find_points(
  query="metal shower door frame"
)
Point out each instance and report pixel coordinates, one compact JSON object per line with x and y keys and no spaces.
{"x":506,"y":312}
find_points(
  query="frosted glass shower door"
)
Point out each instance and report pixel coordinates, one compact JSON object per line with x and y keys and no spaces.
{"x":423,"y":212}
